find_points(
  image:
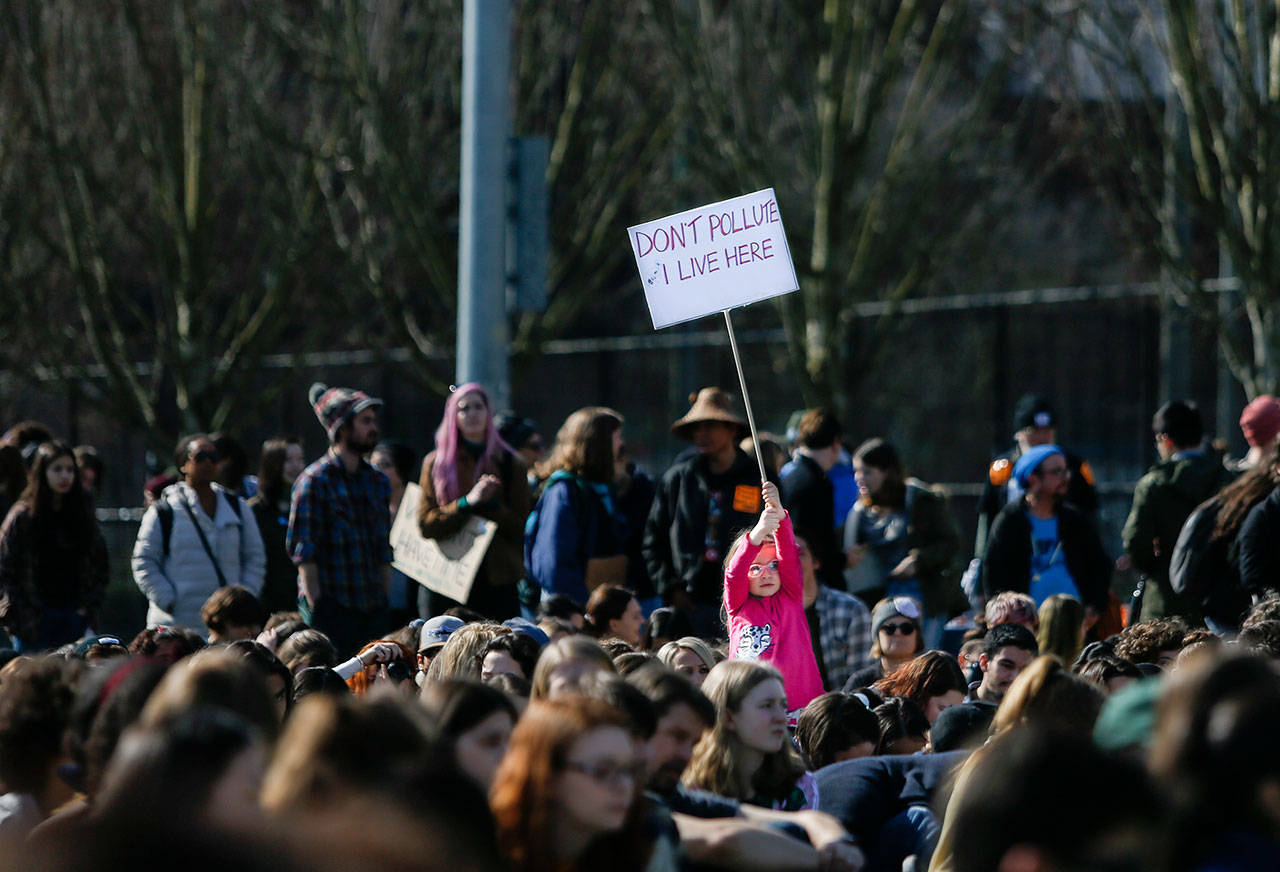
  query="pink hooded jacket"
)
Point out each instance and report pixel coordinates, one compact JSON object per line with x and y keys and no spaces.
{"x":773,"y":629}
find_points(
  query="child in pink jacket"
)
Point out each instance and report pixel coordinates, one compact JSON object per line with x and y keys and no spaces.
{"x":764,"y":601}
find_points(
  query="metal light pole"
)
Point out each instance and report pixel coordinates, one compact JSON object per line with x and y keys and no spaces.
{"x":482,"y":312}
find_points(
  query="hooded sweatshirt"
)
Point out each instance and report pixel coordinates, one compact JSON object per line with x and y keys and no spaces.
{"x":773,"y":629}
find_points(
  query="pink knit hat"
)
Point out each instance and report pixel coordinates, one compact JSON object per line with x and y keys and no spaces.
{"x":1260,"y":421}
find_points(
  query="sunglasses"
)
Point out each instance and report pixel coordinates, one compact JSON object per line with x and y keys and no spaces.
{"x":755,"y":570}
{"x":904,"y":629}
{"x":210,"y":456}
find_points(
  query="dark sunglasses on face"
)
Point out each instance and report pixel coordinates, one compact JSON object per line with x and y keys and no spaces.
{"x":210,"y":456}
{"x":904,"y":629}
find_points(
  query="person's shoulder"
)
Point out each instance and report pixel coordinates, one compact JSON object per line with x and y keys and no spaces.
{"x":1080,"y":468}
{"x":1014,"y":510}
{"x":1069,"y":515}
{"x":317,"y":471}
{"x":680,"y":471}
{"x":841,"y":598}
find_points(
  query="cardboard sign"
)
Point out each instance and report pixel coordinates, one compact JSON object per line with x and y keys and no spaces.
{"x":447,"y":566}
{"x":713,"y":258}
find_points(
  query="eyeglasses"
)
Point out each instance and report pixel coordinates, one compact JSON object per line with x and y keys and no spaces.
{"x":609,"y":772}
{"x":464,"y":408}
{"x":904,"y":629}
{"x":756,"y":569}
{"x":211,"y":456}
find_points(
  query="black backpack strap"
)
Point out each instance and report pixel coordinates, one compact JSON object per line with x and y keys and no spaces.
{"x":222,"y":579}
{"x":164,"y":513}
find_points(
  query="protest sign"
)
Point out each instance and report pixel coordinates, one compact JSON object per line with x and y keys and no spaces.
{"x":447,"y":566}
{"x":713,"y":258}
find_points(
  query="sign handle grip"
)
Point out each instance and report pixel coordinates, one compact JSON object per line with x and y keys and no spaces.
{"x":746,"y":400}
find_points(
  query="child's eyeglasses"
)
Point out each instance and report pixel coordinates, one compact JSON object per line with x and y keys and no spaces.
{"x":755,"y":569}
{"x":904,"y":629}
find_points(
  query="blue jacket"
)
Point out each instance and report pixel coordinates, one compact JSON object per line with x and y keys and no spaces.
{"x":571,"y":524}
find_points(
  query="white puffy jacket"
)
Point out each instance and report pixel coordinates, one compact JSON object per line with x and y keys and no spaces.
{"x":178,"y":585}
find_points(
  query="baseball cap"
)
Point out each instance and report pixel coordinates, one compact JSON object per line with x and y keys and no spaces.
{"x":437,"y":631}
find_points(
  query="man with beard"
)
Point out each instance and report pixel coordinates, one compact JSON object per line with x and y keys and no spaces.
{"x":1041,"y":547}
{"x":339,"y":528}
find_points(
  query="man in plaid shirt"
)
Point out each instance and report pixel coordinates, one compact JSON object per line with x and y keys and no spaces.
{"x":839,"y":624}
{"x":339,"y":525}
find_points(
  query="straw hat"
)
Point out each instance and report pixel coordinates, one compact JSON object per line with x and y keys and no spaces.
{"x":710,"y":404}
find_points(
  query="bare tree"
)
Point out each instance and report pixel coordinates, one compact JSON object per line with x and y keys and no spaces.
{"x":384,"y":131}
{"x":1183,"y":96}
{"x":158,"y":235}
{"x":864,"y":118}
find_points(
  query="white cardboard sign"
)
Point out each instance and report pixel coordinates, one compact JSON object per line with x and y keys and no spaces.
{"x":447,"y":566}
{"x":713,"y":258}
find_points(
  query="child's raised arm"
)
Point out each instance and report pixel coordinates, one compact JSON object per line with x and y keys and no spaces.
{"x":770,"y":518}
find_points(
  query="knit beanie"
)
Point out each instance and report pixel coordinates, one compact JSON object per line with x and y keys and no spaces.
{"x":1260,"y":421}
{"x":335,"y":406}
{"x":898,"y":606}
{"x":1030,"y":461}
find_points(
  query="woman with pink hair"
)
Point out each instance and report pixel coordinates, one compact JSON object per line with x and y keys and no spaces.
{"x":473,"y":472}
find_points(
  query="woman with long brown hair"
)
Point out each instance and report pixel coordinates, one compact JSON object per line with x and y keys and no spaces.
{"x":53,"y":559}
{"x":567,"y":795}
{"x":900,"y":539}
{"x":574,"y":540}
{"x":747,"y":755}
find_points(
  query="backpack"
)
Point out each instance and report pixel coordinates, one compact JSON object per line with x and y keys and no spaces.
{"x":164,"y":514}
{"x":1187,"y":566}
{"x":1204,"y":571}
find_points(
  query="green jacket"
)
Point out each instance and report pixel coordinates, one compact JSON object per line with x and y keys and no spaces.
{"x":1163,"y":499}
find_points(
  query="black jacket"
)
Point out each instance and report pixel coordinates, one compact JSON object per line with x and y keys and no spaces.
{"x":675,"y":535}
{"x":1259,"y":547}
{"x":1081,"y":492}
{"x":808,"y":495}
{"x":867,"y":793}
{"x":1007,"y":562}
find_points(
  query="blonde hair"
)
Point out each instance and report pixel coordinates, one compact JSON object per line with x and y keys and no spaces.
{"x":668,"y":652}
{"x":561,"y":651}
{"x":458,"y":657}
{"x":715,"y":758}
{"x":1061,"y":627}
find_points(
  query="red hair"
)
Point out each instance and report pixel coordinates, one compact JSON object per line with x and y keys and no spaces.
{"x":522,"y":801}
{"x":359,"y":683}
{"x":933,"y":673}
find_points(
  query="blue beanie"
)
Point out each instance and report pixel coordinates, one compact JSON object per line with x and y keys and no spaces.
{"x":1031,"y":460}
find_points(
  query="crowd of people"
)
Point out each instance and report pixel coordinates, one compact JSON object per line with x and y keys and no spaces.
{"x":699,"y":671}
